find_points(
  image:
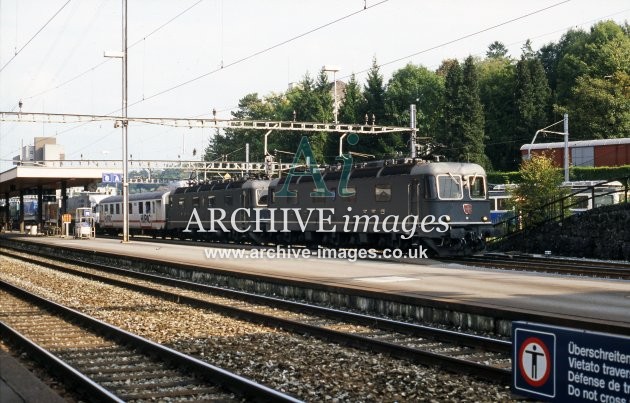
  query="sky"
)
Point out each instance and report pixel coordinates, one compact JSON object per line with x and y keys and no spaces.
{"x":263,"y":46}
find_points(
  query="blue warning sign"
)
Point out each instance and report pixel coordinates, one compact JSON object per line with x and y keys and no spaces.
{"x":111,"y":178}
{"x":563,"y":364}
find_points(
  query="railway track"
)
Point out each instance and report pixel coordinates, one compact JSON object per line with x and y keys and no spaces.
{"x":483,"y":357}
{"x":109,"y":364}
{"x":616,"y":270}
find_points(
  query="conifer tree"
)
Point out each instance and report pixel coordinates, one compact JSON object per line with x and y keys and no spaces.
{"x":473,"y":119}
{"x":350,"y":108}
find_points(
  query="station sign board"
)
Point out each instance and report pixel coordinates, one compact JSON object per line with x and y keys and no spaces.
{"x":561,"y":364}
{"x":111,"y":178}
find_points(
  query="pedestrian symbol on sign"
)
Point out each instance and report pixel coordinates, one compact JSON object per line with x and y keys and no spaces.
{"x":534,"y":357}
{"x":535,"y":361}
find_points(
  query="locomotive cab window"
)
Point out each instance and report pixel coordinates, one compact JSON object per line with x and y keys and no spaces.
{"x":449,"y":187}
{"x":261,"y":197}
{"x":383,"y":193}
{"x":477,"y":187}
{"x":430,"y":191}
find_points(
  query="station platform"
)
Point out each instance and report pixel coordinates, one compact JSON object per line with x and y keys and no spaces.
{"x":593,"y":300}
{"x":18,"y":384}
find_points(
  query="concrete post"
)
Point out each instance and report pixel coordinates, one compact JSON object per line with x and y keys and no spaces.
{"x":40,"y":206}
{"x":64,"y":197}
{"x":21,"y":212}
{"x":7,"y":211}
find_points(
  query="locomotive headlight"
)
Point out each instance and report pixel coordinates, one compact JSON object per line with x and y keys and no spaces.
{"x":484,"y":219}
{"x":447,"y":218}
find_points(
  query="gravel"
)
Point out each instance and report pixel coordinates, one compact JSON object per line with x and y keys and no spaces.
{"x":303,"y":366}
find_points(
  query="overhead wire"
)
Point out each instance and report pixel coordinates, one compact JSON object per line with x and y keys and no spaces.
{"x":465,"y":36}
{"x":108,"y":60}
{"x":241,"y":59}
{"x":34,"y":36}
{"x":260,"y":52}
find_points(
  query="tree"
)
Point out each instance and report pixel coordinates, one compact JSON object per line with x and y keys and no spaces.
{"x":600,"y":107}
{"x":374,"y":95}
{"x":463,"y":114}
{"x":531,"y":97}
{"x":451,"y":135}
{"x":380,"y":146}
{"x":415,"y":85}
{"x":306,"y":99}
{"x":497,"y":77}
{"x":350,"y":109}
{"x":230,"y":144}
{"x":496,"y":50}
{"x":539,"y":187}
{"x":472,"y":110}
{"x":598,"y":53}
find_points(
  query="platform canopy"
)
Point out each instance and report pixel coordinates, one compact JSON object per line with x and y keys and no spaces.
{"x":28,"y":178}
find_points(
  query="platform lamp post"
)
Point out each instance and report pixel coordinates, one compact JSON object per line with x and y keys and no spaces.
{"x":334,"y":70}
{"x":125,"y":157}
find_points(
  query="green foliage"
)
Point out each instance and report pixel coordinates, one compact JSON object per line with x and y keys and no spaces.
{"x":496,"y":50}
{"x":499,"y":177}
{"x":480,"y":110}
{"x":374,"y":107}
{"x":531,"y":96}
{"x":575,"y":173}
{"x":463,"y":114}
{"x":599,"y":173}
{"x":497,"y":78}
{"x":539,"y":186}
{"x":415,"y":85}
{"x":599,"y":53}
{"x":600,"y":107}
{"x":350,"y":108}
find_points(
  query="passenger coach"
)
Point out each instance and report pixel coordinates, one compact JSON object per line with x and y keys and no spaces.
{"x":147,"y":213}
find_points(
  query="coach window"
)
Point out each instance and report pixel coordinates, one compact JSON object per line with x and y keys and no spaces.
{"x":449,"y":187}
{"x":229,"y":199}
{"x":140,"y":209}
{"x":130,"y":208}
{"x":117,"y":208}
{"x":477,"y":187}
{"x":147,"y":207}
{"x":195,"y":201}
{"x":211,"y":201}
{"x":383,"y":193}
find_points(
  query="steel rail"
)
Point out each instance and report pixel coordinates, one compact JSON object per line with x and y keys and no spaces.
{"x":235,"y":383}
{"x":350,"y":339}
{"x":550,"y":265}
{"x":49,"y":360}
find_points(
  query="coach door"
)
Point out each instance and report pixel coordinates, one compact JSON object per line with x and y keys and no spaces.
{"x":413,"y":192}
